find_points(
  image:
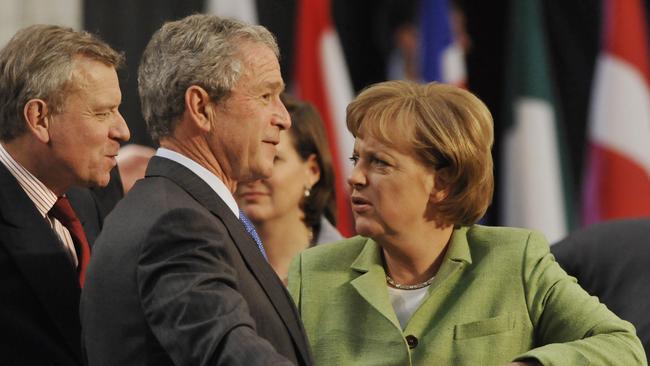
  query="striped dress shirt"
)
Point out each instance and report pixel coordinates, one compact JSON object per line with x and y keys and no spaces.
{"x":42,"y":197}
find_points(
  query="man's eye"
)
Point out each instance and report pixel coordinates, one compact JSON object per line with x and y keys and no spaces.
{"x":266,"y":97}
{"x":379,"y":162}
{"x":354,"y":159}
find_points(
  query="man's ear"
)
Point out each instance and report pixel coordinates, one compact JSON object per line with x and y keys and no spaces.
{"x":198,"y":107}
{"x":38,"y":119}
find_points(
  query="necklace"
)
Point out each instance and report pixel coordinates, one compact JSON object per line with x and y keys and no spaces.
{"x":408,"y":287}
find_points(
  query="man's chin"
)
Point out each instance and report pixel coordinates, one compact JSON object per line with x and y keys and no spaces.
{"x":99,"y":182}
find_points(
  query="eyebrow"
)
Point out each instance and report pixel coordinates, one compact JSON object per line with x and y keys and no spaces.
{"x":274,"y":85}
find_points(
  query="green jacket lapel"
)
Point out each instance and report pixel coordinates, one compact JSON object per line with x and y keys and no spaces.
{"x":371,"y":283}
{"x":456,"y":258}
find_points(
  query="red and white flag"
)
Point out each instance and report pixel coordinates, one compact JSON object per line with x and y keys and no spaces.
{"x":617,"y":180}
{"x":322,"y":78}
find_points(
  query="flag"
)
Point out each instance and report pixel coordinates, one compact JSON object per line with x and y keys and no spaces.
{"x":617,"y":176}
{"x":244,"y":10}
{"x":535,"y":186}
{"x":441,"y":55}
{"x":322,"y":79}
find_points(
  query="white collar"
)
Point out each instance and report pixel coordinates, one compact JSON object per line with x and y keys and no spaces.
{"x":207,"y":176}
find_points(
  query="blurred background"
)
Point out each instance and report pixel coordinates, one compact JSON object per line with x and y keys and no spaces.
{"x":566,"y":81}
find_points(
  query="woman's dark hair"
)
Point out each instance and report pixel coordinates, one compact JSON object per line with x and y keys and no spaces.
{"x":308,"y":137}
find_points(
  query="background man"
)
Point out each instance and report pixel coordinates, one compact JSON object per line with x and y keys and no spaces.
{"x":610,"y":260}
{"x":175,"y":276}
{"x":59,"y":126}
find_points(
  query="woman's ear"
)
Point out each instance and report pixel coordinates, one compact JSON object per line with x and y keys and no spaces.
{"x":37,"y":119}
{"x":312,"y":169}
{"x":441,"y":187}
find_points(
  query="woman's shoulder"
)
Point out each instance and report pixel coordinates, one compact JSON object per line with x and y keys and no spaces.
{"x":516,"y":245}
{"x":500,"y":234}
{"x":340,"y":252}
{"x":502,"y":239}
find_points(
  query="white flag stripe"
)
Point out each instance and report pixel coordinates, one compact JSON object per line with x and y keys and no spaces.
{"x":533,"y":188}
{"x":244,"y":10}
{"x":620,"y":113}
{"x":339,"y":94}
{"x":453,"y":61}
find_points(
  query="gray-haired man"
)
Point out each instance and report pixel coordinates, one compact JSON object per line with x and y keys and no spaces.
{"x":175,"y":277}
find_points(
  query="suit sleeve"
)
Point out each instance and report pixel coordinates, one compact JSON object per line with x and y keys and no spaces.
{"x":188,"y":291}
{"x":573,"y":327}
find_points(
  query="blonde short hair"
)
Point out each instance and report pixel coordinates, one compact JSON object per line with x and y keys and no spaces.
{"x":37,"y":63}
{"x":444,"y":126}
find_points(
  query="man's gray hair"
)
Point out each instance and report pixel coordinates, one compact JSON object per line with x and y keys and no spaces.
{"x":201,"y":50}
{"x":37,"y":63}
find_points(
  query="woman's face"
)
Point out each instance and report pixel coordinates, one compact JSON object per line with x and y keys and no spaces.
{"x":280,"y":194}
{"x":390,"y":188}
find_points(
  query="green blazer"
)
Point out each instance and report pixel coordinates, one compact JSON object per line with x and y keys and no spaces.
{"x":499,"y":296}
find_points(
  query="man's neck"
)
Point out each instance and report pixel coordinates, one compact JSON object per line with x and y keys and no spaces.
{"x":31,"y":156}
{"x":197,"y":150}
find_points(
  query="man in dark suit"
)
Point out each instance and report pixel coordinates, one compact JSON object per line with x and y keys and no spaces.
{"x":59,"y":127}
{"x":611,"y":260}
{"x":175,"y":277}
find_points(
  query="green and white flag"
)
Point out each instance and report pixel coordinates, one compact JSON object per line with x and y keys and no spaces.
{"x":534,"y":184}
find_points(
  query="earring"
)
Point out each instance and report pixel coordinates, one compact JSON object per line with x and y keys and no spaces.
{"x":307,"y":192}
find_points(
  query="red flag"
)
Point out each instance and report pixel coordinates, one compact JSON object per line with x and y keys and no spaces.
{"x":322,"y":79}
{"x":617,"y":181}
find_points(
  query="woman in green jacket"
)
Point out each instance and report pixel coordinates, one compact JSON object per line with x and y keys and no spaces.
{"x":424,"y":285}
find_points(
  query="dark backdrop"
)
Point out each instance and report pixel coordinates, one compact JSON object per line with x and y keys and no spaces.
{"x":365,"y":29}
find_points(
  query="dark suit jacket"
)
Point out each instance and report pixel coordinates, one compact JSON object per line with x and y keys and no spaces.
{"x":611,"y":260}
{"x":39,"y":290}
{"x":176,"y":279}
{"x":93,"y":205}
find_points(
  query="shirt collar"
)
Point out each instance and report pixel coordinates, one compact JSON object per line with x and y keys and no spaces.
{"x":42,"y":197}
{"x":207,"y":176}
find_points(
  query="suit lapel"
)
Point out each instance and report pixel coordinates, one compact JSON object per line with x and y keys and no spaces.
{"x":267,"y":278}
{"x":250,"y":253}
{"x":40,"y":257}
{"x":456,"y":259}
{"x":371,"y":284}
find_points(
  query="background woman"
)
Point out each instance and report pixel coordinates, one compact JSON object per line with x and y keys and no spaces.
{"x":295,"y":208}
{"x":423,"y":285}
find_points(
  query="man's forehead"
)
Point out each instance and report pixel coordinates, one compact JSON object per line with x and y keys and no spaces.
{"x":87,"y":71}
{"x":259,"y":79}
{"x":257,"y":55}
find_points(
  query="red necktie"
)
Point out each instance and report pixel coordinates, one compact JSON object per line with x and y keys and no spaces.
{"x":63,"y":212}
